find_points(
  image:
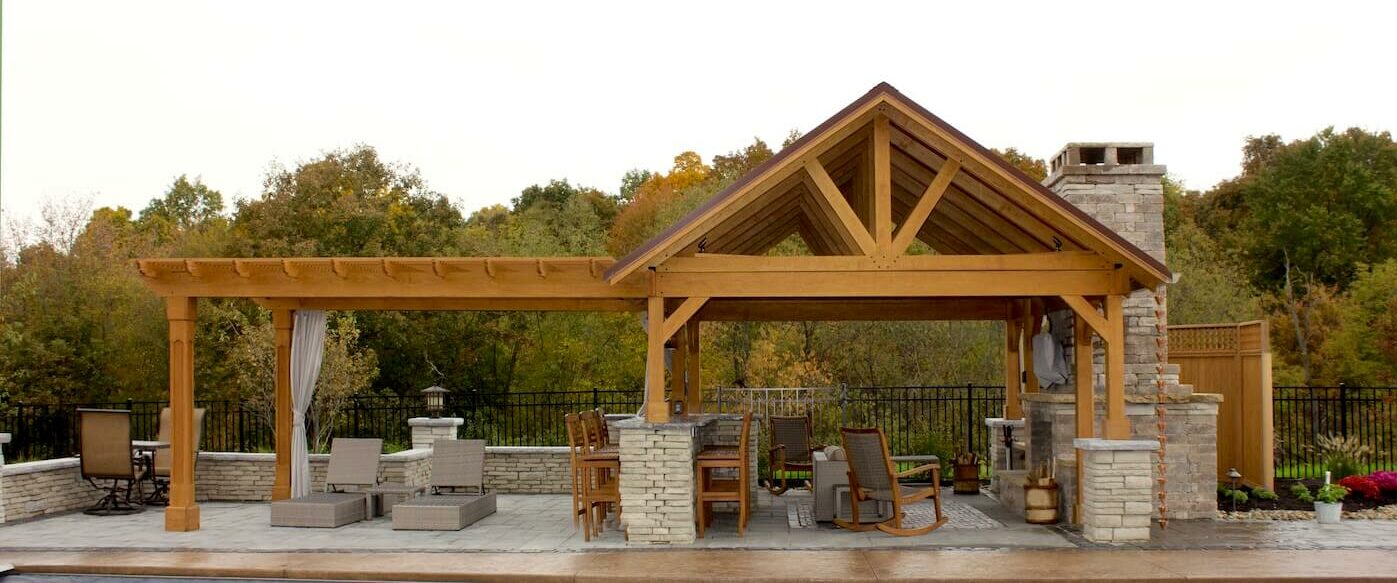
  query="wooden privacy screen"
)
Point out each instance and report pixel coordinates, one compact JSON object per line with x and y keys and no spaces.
{"x":1233,"y":360}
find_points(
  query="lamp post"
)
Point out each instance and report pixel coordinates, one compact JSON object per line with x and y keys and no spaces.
{"x":435,"y":398}
{"x":1234,"y":475}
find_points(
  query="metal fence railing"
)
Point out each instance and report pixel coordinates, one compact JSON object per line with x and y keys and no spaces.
{"x":1300,"y":414}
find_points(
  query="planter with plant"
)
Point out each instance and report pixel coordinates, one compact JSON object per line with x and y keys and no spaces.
{"x":967,"y":473}
{"x":1329,"y":503}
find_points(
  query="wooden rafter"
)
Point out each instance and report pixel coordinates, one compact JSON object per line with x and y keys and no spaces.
{"x":837,"y":209}
{"x":917,"y":217}
{"x":882,"y":219}
{"x":681,"y":315}
{"x":908,"y":169}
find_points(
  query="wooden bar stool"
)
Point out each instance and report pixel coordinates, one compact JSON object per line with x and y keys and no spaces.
{"x":712,"y":490}
{"x":598,"y":475}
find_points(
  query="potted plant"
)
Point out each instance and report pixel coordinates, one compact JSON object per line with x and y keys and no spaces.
{"x":1329,"y":503}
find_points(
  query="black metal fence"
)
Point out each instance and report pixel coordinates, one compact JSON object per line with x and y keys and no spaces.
{"x":1303,"y":413}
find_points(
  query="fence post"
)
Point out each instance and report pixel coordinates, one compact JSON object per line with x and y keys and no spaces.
{"x":596,"y":400}
{"x":1343,"y":409}
{"x":969,"y":417}
{"x":843,"y":404}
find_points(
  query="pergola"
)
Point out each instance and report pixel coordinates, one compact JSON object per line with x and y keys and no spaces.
{"x":857,"y":189}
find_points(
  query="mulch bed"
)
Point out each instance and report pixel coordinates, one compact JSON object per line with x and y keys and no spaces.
{"x":1288,"y":501}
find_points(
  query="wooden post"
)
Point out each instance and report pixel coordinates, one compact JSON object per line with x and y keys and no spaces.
{"x":881,"y":223}
{"x":678,"y":367}
{"x":1117,"y":426}
{"x":283,"y":320}
{"x":182,"y":514}
{"x":1030,"y":327}
{"x":695,"y":381}
{"x":1085,"y":400}
{"x":656,"y":409}
{"x":1012,"y":377}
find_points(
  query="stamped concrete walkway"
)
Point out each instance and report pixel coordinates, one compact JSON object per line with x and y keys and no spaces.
{"x":738,"y":565}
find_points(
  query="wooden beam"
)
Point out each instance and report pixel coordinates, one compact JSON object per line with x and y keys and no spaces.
{"x":1066,"y":261}
{"x":842,"y":215}
{"x":694,"y":378}
{"x":378,"y":277}
{"x":867,"y":309}
{"x":656,"y":409}
{"x":1088,"y":315}
{"x":456,"y":304}
{"x":1117,"y":426}
{"x":681,"y":315}
{"x":1013,"y":409}
{"x":882,"y":219}
{"x":283,"y":322}
{"x":1028,"y":325}
{"x":1085,"y":377}
{"x":678,"y":367}
{"x":886,"y":283}
{"x":182,"y":514}
{"x":917,"y":217}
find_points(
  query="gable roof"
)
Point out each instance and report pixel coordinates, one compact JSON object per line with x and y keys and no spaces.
{"x":1091,"y":233}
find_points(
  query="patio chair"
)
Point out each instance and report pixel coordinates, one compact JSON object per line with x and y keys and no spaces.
{"x":595,"y":476}
{"x":164,"y":458}
{"x":873,"y":476}
{"x":792,"y":450}
{"x":104,"y":446}
{"x":353,"y":462}
{"x":458,"y":467}
{"x":710,"y":490}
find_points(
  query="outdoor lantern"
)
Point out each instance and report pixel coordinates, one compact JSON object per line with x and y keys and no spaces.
{"x":435,"y":397}
{"x":1234,"y":475}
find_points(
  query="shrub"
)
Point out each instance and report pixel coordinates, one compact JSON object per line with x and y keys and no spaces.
{"x":1343,"y":456}
{"x":1361,"y":486}
{"x":1239,"y":496}
{"x":1386,"y":481}
{"x":1301,"y":492}
{"x":1223,"y":489}
{"x":1330,"y":493}
{"x":1264,"y":494}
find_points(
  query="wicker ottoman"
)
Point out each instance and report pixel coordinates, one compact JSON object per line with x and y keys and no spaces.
{"x":442,"y":512}
{"x":322,"y":510}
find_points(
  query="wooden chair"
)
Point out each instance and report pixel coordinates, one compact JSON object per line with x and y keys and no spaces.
{"x":712,"y":490}
{"x":873,"y":476}
{"x":595,"y":477}
{"x":792,"y":450}
{"x":104,"y":446}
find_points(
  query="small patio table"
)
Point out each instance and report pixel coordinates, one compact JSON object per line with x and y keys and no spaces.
{"x":379,"y":496}
{"x":145,"y":452}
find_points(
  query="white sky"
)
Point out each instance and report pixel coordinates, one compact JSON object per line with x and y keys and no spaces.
{"x":112,"y":100}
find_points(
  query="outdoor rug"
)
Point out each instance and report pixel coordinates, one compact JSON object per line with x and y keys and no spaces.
{"x":801,"y":514}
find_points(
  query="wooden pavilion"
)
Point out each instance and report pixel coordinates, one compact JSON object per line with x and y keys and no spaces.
{"x":858,"y":190}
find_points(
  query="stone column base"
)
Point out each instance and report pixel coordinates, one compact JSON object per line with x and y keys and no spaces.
{"x":1117,"y":483}
{"x":426,"y":430}
{"x":657,"y":481}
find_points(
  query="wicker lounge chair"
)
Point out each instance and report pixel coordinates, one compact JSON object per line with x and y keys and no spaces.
{"x":104,"y":445}
{"x":792,"y":450}
{"x":353,"y":462}
{"x":164,"y":458}
{"x":873,"y":476}
{"x":458,"y":467}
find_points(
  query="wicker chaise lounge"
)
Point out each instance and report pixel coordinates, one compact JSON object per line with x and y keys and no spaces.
{"x":458,"y":497}
{"x":353,"y":462}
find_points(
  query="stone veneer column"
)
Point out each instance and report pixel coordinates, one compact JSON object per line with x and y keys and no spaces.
{"x":998,"y":461}
{"x":1117,"y":483}
{"x":657,"y":481}
{"x":4,"y":439}
{"x":426,"y":430}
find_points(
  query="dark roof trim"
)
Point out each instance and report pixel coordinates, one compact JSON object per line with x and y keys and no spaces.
{"x":641,"y":253}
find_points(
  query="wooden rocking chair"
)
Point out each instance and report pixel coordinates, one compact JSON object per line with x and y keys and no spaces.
{"x":873,"y":476}
{"x":792,"y":450}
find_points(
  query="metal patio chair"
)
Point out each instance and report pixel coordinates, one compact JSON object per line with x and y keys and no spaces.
{"x":104,"y":446}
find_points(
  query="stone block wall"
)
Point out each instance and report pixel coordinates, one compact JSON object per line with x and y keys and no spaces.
{"x":657,"y":481}
{"x":426,"y":430}
{"x":34,"y":489}
{"x":1116,"y":495}
{"x":528,"y":470}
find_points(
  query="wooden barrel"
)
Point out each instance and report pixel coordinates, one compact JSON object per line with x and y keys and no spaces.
{"x":1040,"y":504}
{"x":967,"y":479}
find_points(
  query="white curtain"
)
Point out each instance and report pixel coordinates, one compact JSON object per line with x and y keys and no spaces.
{"x":307,"y":351}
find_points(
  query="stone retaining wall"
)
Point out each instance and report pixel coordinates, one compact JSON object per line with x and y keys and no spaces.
{"x":33,"y":489}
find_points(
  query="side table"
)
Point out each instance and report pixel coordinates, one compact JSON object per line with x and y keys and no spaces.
{"x":384,"y":496}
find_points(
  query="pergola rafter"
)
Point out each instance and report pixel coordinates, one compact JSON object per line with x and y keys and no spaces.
{"x":858,"y":189}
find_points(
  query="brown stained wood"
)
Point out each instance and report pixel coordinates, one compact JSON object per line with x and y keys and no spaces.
{"x":968,"y":228}
{"x":1084,"y":407}
{"x":1087,"y":314}
{"x":841,"y":215}
{"x":694,"y":378}
{"x":678,"y":366}
{"x":282,"y":322}
{"x":821,"y":217}
{"x":182,"y":514}
{"x":1028,"y":326}
{"x":866,"y":309}
{"x":1117,"y":426}
{"x":917,"y":217}
{"x":1046,"y":262}
{"x":686,"y":310}
{"x":456,"y":304}
{"x":1013,"y":408}
{"x":815,"y":237}
{"x":881,"y":168}
{"x":733,"y":233}
{"x":890,"y":283}
{"x":656,"y":408}
{"x":908,"y":168}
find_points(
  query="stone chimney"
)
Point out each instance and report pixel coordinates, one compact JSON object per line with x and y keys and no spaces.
{"x":1119,"y":184}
